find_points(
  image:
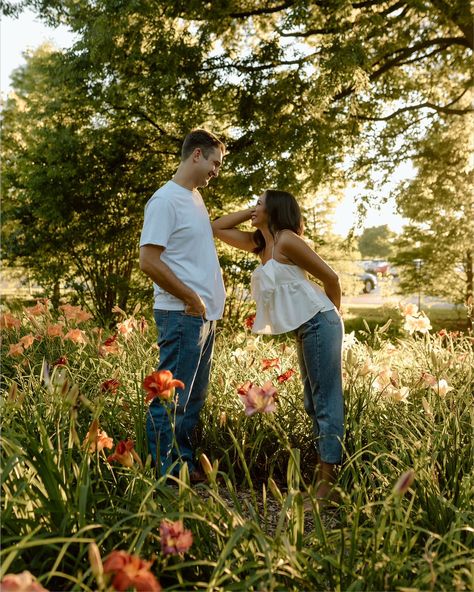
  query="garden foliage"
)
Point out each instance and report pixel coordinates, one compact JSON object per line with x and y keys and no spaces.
{"x":82,"y":508}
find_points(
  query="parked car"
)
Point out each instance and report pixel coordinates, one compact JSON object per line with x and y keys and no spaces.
{"x":369,"y":281}
{"x":379,"y":266}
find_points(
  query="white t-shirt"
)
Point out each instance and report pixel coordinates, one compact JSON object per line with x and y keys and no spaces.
{"x":177,"y":219}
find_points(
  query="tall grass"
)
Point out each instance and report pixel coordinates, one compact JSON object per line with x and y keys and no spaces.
{"x":255,"y":523}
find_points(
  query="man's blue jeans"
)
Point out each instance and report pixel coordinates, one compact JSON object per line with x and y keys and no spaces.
{"x":319,"y":346}
{"x":186,"y":343}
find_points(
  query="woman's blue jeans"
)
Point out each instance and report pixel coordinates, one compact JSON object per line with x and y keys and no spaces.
{"x":186,"y":344}
{"x":319,"y":346}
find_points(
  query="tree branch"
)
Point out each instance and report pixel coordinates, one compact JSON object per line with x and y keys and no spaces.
{"x":426,"y":105}
{"x":403,"y":54}
{"x":259,"y":11}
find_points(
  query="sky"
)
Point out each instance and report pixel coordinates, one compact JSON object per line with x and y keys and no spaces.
{"x":27,"y":32}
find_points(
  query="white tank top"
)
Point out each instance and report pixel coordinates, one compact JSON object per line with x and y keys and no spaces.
{"x":285,"y":297}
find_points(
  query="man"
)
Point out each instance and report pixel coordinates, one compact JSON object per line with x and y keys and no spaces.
{"x":177,"y":252}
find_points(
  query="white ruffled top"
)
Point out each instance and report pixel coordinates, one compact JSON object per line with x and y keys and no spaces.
{"x":285,"y":297}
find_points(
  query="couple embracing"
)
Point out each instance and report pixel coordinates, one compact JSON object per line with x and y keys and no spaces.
{"x":177,"y":252}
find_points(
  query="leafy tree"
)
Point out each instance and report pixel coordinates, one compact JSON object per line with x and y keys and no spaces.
{"x":376,"y":242}
{"x":75,"y":188}
{"x":439,"y":203}
{"x":302,"y":93}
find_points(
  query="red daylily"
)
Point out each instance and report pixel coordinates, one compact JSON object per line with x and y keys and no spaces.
{"x":286,"y":375}
{"x":249,"y":321}
{"x":161,"y":384}
{"x":110,"y":346}
{"x":175,"y":539}
{"x":62,"y":361}
{"x":244,"y":388}
{"x":111,"y":385}
{"x":130,"y":571}
{"x":270,"y":363}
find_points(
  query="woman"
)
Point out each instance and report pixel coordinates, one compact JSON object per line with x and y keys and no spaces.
{"x":288,"y":301}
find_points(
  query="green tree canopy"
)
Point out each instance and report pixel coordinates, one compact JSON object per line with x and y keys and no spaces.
{"x":376,"y":242}
{"x":305,"y":95}
{"x":440,"y":204}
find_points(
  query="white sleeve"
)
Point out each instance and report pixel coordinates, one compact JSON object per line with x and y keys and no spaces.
{"x":159,"y":223}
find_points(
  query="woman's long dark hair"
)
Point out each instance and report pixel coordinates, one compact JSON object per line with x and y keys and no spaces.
{"x":283,"y":213}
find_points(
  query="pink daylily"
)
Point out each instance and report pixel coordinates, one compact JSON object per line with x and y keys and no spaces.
{"x":175,"y":539}
{"x":404,"y":482}
{"x":259,"y":399}
{"x":22,"y":582}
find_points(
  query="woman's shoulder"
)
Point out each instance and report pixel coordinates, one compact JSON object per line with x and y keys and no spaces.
{"x":289,"y":237}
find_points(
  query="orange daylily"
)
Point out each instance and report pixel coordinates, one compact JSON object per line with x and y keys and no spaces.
{"x":75,"y":313}
{"x":76,"y":335}
{"x":27,"y":341}
{"x":127,"y":326}
{"x":15,"y":349}
{"x":110,"y":346}
{"x":161,"y":384}
{"x":38,"y":309}
{"x":97,"y":439}
{"x":270,"y":363}
{"x":130,"y":571}
{"x":125,"y":454}
{"x":55,"y":330}
{"x":8,"y":321}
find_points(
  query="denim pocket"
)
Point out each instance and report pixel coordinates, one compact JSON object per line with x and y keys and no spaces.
{"x":331,"y":317}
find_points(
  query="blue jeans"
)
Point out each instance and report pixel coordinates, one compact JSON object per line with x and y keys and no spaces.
{"x":186,"y":345}
{"x":319,"y":346}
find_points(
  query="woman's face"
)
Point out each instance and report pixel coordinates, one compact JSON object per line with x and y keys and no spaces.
{"x":259,"y":216}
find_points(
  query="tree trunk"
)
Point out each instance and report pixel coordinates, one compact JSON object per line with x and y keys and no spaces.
{"x":469,"y":290}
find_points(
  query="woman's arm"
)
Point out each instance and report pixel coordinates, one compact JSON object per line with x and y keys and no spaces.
{"x":224,"y":228}
{"x":300,"y":253}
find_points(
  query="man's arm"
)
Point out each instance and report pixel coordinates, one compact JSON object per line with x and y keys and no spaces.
{"x":152,"y":265}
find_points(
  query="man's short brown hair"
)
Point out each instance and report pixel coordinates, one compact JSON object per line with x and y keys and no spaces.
{"x":200,"y":138}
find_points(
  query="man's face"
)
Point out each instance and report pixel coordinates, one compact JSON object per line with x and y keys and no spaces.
{"x":208,"y":167}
